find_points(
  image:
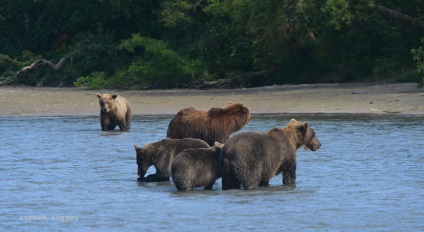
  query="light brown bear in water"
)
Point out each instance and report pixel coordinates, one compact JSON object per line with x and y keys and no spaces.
{"x":214,"y":125}
{"x":161,"y":154}
{"x":196,"y":167}
{"x":114,"y":111}
{"x":251,"y":159}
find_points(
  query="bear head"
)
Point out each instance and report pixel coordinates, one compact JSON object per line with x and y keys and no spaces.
{"x":305,"y":135}
{"x":107,"y":102}
{"x":233,"y":116}
{"x":143,"y":159}
{"x":241,"y":112}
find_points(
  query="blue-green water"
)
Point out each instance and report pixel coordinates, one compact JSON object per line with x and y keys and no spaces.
{"x":63,"y":173}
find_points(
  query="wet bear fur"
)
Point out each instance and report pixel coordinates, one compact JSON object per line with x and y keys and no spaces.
{"x":195,"y":167}
{"x":214,"y":125}
{"x":251,"y":159}
{"x":114,"y":111}
{"x":161,"y":154}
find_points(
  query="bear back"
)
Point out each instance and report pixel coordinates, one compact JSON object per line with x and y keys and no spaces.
{"x":214,"y":125}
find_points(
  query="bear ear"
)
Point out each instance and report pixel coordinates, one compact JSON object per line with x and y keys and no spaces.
{"x":99,"y":95}
{"x":114,"y":96}
{"x":292,"y":120}
{"x":136,"y":147}
{"x":218,"y":144}
{"x":305,"y":126}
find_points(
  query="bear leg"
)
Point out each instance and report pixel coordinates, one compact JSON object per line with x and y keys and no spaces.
{"x":155,"y":178}
{"x":182,"y":188}
{"x":289,"y":177}
{"x":122,"y":125}
{"x":264,"y":183}
{"x":251,"y":184}
{"x":111,"y":126}
{"x":128,"y":118}
{"x":104,"y":123}
{"x":188,"y":188}
{"x":289,"y":172}
{"x":182,"y":185}
{"x":230,"y":183}
{"x":107,"y":122}
{"x":251,"y":177}
{"x":209,"y":186}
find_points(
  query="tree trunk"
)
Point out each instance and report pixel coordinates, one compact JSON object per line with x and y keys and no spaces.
{"x":391,"y":14}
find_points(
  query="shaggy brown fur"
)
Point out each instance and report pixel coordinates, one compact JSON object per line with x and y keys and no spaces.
{"x":161,"y":154}
{"x":214,"y":125}
{"x":251,"y":159}
{"x":114,"y":111}
{"x":196,"y":167}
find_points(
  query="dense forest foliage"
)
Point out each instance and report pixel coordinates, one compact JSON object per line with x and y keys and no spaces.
{"x":139,"y":44}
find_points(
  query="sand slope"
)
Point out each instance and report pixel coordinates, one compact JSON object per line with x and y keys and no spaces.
{"x":375,"y":98}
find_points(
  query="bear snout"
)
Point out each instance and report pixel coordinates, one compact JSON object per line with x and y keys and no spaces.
{"x":105,"y":110}
{"x":315,"y":144}
{"x":141,"y":176}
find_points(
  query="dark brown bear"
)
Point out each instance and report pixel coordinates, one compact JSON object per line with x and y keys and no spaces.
{"x":161,"y":154}
{"x":195,"y":167}
{"x":114,"y":111}
{"x":214,"y":125}
{"x":251,"y":159}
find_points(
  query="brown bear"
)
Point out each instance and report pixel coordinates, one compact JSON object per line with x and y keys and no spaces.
{"x":214,"y":125}
{"x":161,"y":154}
{"x":114,"y":110}
{"x":251,"y":159}
{"x":196,"y":167}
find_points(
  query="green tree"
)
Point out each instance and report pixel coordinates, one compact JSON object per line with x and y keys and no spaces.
{"x":418,"y":54}
{"x":162,"y":44}
{"x":92,"y":29}
{"x":154,"y":65}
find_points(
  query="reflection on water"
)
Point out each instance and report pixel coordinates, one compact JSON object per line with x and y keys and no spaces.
{"x":63,"y":172}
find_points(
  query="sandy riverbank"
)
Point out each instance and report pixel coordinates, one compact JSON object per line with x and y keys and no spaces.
{"x":375,"y":98}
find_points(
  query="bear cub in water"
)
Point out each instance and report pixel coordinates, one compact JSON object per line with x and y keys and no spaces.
{"x":195,"y":167}
{"x":161,"y":154}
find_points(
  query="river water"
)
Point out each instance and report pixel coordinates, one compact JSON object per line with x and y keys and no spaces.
{"x":63,"y":173}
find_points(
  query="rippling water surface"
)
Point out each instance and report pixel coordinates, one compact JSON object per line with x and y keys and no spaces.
{"x":63,"y":173}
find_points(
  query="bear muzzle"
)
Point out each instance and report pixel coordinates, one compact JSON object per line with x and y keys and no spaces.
{"x":141,"y":174}
{"x":314,"y":145}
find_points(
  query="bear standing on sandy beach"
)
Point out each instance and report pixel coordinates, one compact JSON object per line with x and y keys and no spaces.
{"x":214,"y":125}
{"x":114,"y":111}
{"x":251,"y":159}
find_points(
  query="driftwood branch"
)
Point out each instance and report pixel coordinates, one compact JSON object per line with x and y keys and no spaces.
{"x":36,"y":65}
{"x":41,"y":62}
{"x":242,"y":80}
{"x":391,"y":14}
